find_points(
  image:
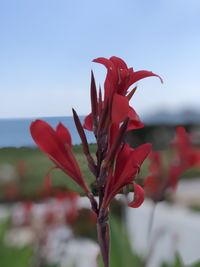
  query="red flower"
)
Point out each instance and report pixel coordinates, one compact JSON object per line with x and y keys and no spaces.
{"x":157,"y":181}
{"x":186,"y":153}
{"x":134,"y":120}
{"x":116,"y":164}
{"x":127,"y":166}
{"x":118,"y":80}
{"x":88,"y":123}
{"x":58,"y":146}
{"x":162,"y":180}
{"x":119,"y":77}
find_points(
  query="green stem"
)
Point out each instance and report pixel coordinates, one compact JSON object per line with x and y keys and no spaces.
{"x":151,"y":219}
{"x":149,"y":232}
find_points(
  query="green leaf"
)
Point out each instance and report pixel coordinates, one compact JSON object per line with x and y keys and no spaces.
{"x":11,"y":256}
{"x":178,"y":261}
{"x":197,"y":264}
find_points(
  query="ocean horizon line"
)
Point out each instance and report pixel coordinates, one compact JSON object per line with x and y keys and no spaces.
{"x":39,"y":117}
{"x":15,"y":132}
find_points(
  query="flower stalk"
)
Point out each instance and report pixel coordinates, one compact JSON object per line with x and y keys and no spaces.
{"x":116,"y":164}
{"x":103,"y":233}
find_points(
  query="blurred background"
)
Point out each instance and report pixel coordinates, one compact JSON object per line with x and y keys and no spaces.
{"x":46,"y":54}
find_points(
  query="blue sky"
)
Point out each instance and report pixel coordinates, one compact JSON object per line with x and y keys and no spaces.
{"x":47,"y":46}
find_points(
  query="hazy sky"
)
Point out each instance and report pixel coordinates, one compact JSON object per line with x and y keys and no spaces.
{"x":46,"y":49}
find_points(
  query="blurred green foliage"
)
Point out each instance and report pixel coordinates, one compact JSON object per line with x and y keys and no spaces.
{"x":12,"y":256}
{"x":179,"y":263}
{"x":30,"y":185}
{"x":37,"y":164}
{"x":121,"y":253}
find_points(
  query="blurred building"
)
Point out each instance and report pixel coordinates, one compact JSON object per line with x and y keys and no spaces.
{"x":160,"y":128}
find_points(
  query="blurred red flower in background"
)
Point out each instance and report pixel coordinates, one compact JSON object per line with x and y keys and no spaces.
{"x":161,"y":179}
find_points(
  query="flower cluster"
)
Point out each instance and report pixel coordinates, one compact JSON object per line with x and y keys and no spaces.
{"x":116,"y":164}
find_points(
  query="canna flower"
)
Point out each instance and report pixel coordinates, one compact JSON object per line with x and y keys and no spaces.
{"x":156,"y":184}
{"x":116,"y":96}
{"x":119,"y":77}
{"x":116,"y":164}
{"x":57,"y":144}
{"x":161,"y":180}
{"x":127,"y":166}
{"x":118,"y":80}
{"x":187,"y":154}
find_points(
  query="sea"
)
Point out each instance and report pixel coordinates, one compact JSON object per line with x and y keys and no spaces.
{"x":16,"y":133}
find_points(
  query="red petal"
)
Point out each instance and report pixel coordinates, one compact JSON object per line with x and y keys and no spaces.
{"x":134,"y":122}
{"x":88,"y":122}
{"x":125,"y":172}
{"x":120,"y":108}
{"x":64,"y":134}
{"x":194,"y":158}
{"x":126,"y":168}
{"x":156,"y":164}
{"x":174,"y":174}
{"x":122,"y":159}
{"x":118,"y":62}
{"x":133,"y":158}
{"x":151,"y":186}
{"x":117,"y":143}
{"x":112,"y":76}
{"x":106,"y":62}
{"x":135,"y":125}
{"x":138,"y":196}
{"x":181,"y":132}
{"x":141,"y":153}
{"x":132,"y":114}
{"x":182,"y":139}
{"x":138,"y":75}
{"x":133,"y":163}
{"x":47,"y":140}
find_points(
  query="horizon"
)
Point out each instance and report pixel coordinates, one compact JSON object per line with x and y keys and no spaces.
{"x":145,"y":114}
